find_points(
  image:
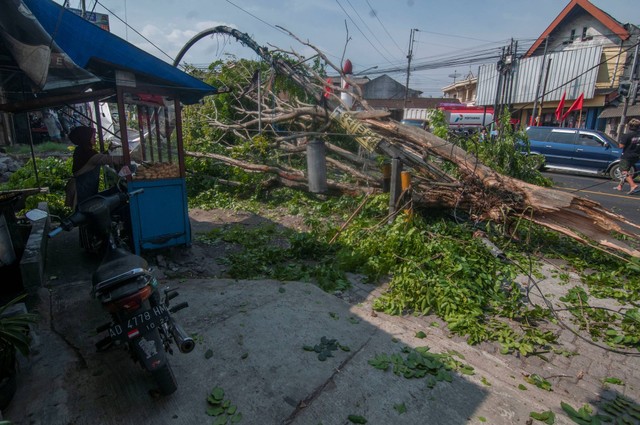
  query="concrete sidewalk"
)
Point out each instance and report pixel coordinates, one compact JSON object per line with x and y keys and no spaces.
{"x":251,"y":338}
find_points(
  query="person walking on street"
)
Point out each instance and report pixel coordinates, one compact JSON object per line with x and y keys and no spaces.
{"x":630,"y":145}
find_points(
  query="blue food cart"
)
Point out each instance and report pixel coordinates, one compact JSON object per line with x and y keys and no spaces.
{"x":95,"y":72}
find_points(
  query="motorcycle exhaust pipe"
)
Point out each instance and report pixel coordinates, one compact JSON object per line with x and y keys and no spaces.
{"x":184,"y":342}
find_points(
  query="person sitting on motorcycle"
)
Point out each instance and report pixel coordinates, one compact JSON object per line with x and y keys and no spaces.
{"x":87,"y":161}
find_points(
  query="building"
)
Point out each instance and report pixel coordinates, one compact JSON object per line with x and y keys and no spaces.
{"x":464,"y":91}
{"x":584,"y":52}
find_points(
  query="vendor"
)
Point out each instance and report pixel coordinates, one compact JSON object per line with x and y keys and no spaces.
{"x":87,"y":161}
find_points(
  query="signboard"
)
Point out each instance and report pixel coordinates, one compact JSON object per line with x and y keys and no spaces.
{"x":99,"y":19}
{"x":363,"y":135}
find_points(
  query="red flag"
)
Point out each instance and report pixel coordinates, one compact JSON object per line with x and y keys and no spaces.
{"x":328,"y":89}
{"x":560,"y":107}
{"x":577,"y":105}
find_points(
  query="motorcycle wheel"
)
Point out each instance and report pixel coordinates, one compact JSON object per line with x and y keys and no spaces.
{"x":165,"y":379}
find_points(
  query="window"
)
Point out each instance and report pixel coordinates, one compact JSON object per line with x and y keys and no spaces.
{"x":572,"y":36}
{"x":584,"y":33}
{"x":567,"y":137}
{"x":539,"y":134}
{"x":590,"y":140}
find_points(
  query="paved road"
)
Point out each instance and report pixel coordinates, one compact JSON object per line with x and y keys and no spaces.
{"x":600,"y":190}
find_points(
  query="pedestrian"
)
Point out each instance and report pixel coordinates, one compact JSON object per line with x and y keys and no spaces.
{"x":483,"y":134}
{"x":630,"y":145}
{"x":54,"y":128}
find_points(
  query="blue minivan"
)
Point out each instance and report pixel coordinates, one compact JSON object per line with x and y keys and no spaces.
{"x":576,"y":150}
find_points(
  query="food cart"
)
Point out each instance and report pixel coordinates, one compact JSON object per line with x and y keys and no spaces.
{"x":96,"y":67}
{"x":155,"y":154}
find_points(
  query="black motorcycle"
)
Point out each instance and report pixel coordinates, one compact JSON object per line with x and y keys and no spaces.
{"x":128,"y":291}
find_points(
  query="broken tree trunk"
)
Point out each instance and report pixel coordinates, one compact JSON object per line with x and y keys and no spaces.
{"x":571,"y":215}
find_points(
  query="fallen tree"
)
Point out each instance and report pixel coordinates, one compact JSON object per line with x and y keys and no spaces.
{"x":477,"y":189}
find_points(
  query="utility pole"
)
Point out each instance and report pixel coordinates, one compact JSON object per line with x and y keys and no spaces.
{"x":409,"y":56}
{"x":634,"y":77}
{"x":534,"y":113}
{"x":496,"y":104}
{"x":513,"y":50}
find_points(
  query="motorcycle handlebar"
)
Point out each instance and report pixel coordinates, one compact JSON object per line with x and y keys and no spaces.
{"x":55,"y":231}
{"x":81,"y":216}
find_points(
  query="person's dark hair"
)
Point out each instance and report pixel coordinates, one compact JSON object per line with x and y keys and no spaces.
{"x":81,"y":134}
{"x":634,"y":124}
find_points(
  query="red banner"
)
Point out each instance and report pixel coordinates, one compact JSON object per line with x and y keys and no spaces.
{"x":560,"y":107}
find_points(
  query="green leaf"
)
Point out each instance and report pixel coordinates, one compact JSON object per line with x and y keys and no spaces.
{"x":220,"y":420}
{"x":215,"y":411}
{"x":400,"y":408}
{"x":232,"y":409}
{"x":217,"y":393}
{"x":356,"y":419}
{"x":421,"y":335}
{"x":522,"y":387}
{"x":615,"y":381}
{"x":547,"y":417}
{"x":236,"y":418}
{"x":482,"y":419}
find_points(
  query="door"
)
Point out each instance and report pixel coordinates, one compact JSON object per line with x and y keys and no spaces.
{"x":593,"y":152}
{"x":559,"y":148}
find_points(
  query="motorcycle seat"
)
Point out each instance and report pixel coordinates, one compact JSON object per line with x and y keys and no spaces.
{"x":121,"y":265}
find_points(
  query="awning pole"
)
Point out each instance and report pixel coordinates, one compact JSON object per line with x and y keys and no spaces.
{"x":33,"y":154}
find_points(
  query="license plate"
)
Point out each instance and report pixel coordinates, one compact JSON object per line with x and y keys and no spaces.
{"x":140,"y":323}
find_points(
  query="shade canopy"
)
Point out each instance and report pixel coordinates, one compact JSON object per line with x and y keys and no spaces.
{"x":48,"y":51}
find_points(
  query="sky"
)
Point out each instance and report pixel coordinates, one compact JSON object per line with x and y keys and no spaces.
{"x":373,"y":34}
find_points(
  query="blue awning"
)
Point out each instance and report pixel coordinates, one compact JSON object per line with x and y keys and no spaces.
{"x":101,"y":52}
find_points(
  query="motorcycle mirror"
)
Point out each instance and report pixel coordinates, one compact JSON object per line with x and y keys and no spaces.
{"x":37,"y":214}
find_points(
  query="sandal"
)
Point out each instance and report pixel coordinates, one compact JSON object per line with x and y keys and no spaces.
{"x":618,"y":188}
{"x":634,"y":190}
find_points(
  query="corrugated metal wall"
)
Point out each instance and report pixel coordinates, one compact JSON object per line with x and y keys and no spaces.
{"x":573,"y":71}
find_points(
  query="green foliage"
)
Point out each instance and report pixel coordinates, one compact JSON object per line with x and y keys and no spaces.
{"x":14,"y":334}
{"x":539,"y":382}
{"x":222,"y":409}
{"x":53,"y":173}
{"x":507,"y":153}
{"x":25,"y":149}
{"x":585,"y":415}
{"x":439,"y":125}
{"x":421,"y":363}
{"x":547,"y":417}
{"x":622,"y":410}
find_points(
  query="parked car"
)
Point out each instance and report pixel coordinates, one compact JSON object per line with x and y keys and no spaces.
{"x":577,"y":151}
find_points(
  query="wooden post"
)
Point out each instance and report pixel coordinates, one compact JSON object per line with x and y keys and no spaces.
{"x":396,"y":186}
{"x":386,"y":178}
{"x":405,"y":177}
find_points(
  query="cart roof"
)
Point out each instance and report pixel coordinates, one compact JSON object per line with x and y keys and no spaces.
{"x":93,"y":56}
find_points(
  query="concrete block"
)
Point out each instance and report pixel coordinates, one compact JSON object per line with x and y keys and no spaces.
{"x":34,"y":255}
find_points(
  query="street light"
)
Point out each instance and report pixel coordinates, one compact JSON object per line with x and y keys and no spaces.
{"x":368,"y":69}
